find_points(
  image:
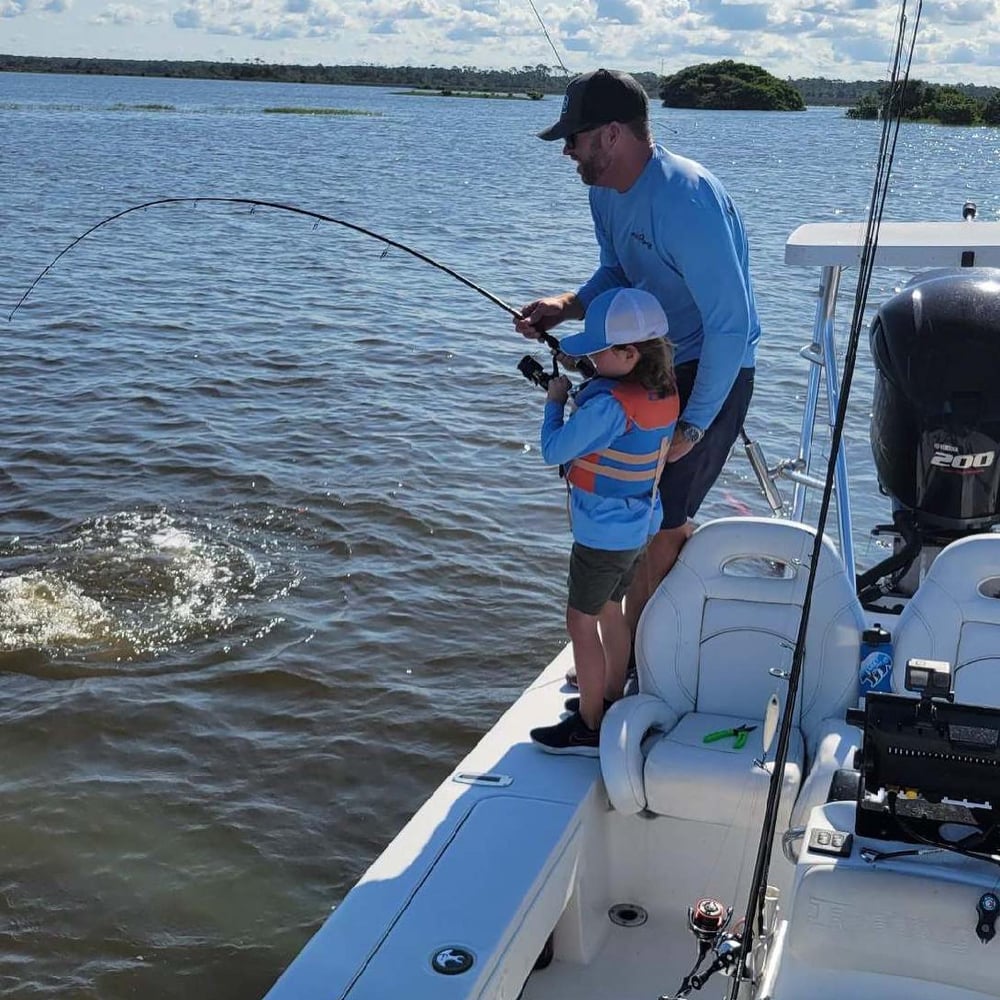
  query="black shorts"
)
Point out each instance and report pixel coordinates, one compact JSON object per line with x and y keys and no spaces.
{"x":684,"y":484}
{"x":597,"y":576}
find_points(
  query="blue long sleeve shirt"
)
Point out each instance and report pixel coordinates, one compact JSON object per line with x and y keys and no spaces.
{"x":614,"y":523}
{"x":677,"y":234}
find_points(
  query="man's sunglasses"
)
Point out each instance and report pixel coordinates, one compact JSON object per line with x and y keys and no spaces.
{"x":571,"y":139}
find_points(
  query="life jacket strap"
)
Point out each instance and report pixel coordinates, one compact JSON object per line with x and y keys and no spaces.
{"x":610,"y":472}
{"x":628,"y":458}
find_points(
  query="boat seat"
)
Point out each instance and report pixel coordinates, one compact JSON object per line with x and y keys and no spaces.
{"x":725,"y":616}
{"x":955,"y":616}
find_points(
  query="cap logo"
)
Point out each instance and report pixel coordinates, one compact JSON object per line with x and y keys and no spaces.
{"x":565,"y":106}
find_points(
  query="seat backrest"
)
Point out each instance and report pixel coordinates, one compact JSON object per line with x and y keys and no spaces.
{"x":955,"y":616}
{"x":728,"y":612}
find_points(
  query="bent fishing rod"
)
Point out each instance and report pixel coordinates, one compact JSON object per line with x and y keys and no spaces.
{"x":551,"y":342}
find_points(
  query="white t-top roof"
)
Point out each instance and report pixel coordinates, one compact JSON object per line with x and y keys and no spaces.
{"x":900,"y":244}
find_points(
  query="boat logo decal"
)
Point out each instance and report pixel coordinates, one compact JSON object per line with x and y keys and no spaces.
{"x":947,"y":457}
{"x":452,"y":961}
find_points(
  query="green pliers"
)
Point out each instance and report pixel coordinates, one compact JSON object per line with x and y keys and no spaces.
{"x":739,"y":735}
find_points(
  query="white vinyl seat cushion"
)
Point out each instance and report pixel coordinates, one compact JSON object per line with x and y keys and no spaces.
{"x":725,"y":616}
{"x":955,"y":616}
{"x":713,"y":782}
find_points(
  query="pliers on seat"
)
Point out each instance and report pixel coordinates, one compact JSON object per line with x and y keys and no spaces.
{"x":739,"y":734}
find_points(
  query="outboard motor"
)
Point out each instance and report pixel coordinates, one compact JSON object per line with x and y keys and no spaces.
{"x":935,"y":428}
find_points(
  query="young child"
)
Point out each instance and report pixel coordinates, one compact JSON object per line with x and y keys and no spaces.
{"x":613,"y":447}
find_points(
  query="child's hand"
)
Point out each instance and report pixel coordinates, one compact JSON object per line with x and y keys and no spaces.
{"x":559,"y":389}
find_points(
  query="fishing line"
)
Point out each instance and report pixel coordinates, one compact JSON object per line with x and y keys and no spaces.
{"x":904,"y":46}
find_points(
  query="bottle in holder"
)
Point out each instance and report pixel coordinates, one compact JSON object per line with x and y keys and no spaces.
{"x":875,"y":672}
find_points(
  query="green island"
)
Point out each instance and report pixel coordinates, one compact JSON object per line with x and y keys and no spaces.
{"x":727,"y":84}
{"x":930,"y":102}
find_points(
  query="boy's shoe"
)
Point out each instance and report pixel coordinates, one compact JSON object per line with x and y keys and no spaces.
{"x":573,"y":704}
{"x":569,"y":736}
{"x":571,"y":677}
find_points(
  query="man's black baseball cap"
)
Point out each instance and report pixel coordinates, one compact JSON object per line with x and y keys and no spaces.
{"x":597,"y":98}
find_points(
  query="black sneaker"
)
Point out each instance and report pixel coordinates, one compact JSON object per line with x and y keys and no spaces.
{"x":569,"y":736}
{"x":573,"y":704}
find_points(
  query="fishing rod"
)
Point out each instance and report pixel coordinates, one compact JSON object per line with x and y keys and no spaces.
{"x":582,"y":366}
{"x":258,"y":203}
{"x":905,"y":40}
{"x":548,"y":38}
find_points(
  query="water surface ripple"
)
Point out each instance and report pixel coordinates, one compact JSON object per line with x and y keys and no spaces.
{"x":277,"y":546}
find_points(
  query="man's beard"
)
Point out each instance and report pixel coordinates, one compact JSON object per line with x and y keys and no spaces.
{"x":593,"y":167}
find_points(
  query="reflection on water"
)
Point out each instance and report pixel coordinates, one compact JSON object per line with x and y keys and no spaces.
{"x":276,"y":546}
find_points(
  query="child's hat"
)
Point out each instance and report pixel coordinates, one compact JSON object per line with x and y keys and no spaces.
{"x":616,"y":317}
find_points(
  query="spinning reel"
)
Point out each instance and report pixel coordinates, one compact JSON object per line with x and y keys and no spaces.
{"x":708,"y":921}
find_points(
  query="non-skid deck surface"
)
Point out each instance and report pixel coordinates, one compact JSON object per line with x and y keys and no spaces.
{"x":636,"y":963}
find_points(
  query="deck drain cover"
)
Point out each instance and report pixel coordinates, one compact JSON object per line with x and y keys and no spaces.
{"x":452,"y":961}
{"x":627,"y":915}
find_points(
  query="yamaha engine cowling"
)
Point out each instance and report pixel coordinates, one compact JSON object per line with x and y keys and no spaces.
{"x":936,"y":414}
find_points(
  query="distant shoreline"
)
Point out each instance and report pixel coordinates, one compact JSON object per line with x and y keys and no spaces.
{"x":815,"y":91}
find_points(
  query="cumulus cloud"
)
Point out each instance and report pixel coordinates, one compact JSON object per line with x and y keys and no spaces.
{"x":849,"y":39}
{"x":741,"y":16}
{"x":187,"y":17}
{"x":861,"y":49}
{"x":118,"y":13}
{"x":961,"y":54}
{"x":622,"y":11}
{"x":969,"y":11}
{"x":417,"y":10}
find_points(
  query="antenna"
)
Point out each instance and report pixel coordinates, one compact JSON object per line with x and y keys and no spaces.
{"x":545,"y":31}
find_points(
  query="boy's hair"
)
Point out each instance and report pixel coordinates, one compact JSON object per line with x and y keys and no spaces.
{"x":655,"y":368}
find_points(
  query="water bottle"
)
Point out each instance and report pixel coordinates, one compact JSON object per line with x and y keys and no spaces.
{"x":875,"y":673}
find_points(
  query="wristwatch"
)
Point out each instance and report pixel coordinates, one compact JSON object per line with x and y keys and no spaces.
{"x":689,"y":432}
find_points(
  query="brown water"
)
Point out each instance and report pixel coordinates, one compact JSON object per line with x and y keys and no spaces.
{"x":276,"y":545}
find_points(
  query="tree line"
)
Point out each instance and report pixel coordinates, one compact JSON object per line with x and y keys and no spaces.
{"x":922,"y":101}
{"x":539,"y":78}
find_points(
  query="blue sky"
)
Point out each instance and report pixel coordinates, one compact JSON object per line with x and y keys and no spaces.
{"x":848,"y":39}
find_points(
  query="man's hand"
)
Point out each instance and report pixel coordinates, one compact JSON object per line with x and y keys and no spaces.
{"x":542,"y":315}
{"x":679,"y":447}
{"x":558,"y":391}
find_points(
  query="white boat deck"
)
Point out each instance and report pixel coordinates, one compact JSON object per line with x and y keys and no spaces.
{"x":635,"y":963}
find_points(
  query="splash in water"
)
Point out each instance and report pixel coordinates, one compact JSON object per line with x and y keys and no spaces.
{"x":126,"y":585}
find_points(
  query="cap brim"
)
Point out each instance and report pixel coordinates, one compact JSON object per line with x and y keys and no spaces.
{"x":577,"y":345}
{"x":563,"y":129}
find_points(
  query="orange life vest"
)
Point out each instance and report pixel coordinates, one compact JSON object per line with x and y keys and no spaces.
{"x":631,"y":464}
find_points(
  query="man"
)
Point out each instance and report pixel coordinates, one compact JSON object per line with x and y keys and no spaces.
{"x":664,"y":224}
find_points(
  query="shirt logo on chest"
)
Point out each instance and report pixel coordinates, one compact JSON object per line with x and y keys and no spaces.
{"x":641,"y":237}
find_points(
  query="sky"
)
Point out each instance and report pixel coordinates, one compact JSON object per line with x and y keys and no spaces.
{"x":958,"y":41}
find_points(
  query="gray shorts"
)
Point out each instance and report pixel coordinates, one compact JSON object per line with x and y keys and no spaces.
{"x":597,"y":576}
{"x":685,"y":483}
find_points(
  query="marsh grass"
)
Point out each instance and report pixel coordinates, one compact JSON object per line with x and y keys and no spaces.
{"x":321,"y":111}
